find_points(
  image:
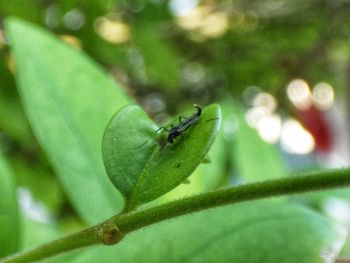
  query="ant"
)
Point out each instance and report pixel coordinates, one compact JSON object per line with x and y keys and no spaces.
{"x":176,"y":131}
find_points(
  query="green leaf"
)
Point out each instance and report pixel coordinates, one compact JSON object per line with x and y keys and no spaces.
{"x":143,"y":170}
{"x":251,"y":233}
{"x":206,"y":177}
{"x":9,"y":221}
{"x":68,"y":101}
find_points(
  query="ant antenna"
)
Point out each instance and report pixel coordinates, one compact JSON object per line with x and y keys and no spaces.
{"x":199,"y":109}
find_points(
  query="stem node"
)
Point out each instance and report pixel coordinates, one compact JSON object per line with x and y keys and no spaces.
{"x":109,"y":233}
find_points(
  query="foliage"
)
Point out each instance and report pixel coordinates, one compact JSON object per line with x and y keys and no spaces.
{"x":91,"y":145}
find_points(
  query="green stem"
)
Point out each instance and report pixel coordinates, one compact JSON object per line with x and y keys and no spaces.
{"x":247,"y":192}
{"x":81,"y":239}
{"x":112,"y":230}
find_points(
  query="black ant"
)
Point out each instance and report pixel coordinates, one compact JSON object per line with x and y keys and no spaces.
{"x":176,"y":131}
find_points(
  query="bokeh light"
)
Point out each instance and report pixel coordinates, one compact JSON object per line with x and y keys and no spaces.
{"x":111,"y":29}
{"x":74,"y":19}
{"x":52,"y":16}
{"x":255,"y":115}
{"x":299,"y":94}
{"x":181,"y":7}
{"x":193,"y":73}
{"x":270,"y":127}
{"x":215,"y":25}
{"x":193,"y":18}
{"x":323,"y":96}
{"x":207,"y":23}
{"x":262,"y":116}
{"x":266,"y":100}
{"x":295,"y":139}
{"x":71,"y":40}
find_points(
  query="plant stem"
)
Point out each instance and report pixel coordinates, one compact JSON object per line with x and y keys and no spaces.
{"x":83,"y":238}
{"x":112,"y":230}
{"x":247,"y":192}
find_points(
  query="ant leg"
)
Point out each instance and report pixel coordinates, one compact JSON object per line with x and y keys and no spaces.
{"x":183,"y":138}
{"x":213,"y":119}
{"x":163,"y":129}
{"x":181,"y":118}
{"x":140,"y":146}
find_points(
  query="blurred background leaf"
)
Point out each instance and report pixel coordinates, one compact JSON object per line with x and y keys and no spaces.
{"x":73,"y":102}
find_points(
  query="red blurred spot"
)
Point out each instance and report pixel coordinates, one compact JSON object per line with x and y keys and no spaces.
{"x":313,"y":120}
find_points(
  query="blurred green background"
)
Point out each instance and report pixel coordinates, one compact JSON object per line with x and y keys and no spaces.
{"x":279,"y":68}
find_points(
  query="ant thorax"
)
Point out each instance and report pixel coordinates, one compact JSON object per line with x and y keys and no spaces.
{"x":177,"y":130}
